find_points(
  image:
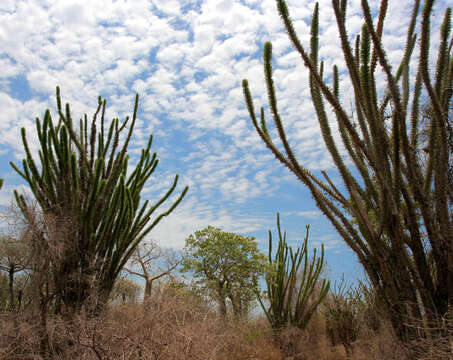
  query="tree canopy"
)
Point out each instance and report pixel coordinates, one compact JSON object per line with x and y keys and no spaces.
{"x":226,"y":263}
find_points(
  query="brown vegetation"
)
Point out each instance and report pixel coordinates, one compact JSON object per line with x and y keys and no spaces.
{"x":181,"y":325}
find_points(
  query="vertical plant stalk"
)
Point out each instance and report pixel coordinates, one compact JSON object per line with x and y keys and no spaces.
{"x":83,"y":182}
{"x":292,"y":283}
{"x":397,"y":209}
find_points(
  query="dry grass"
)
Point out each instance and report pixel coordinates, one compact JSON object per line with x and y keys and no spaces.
{"x":172,"y":327}
{"x":179,"y":326}
{"x":315,"y":344}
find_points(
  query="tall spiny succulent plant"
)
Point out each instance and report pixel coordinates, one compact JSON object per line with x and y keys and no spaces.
{"x":292,"y":284}
{"x":83,"y":182}
{"x":397,"y":209}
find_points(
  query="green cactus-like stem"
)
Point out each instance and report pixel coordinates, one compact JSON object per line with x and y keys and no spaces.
{"x":394,"y":208}
{"x":291,"y":284}
{"x":82,"y":180}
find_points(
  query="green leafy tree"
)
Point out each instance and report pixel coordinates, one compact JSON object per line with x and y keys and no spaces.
{"x":293,"y":283}
{"x":396,"y":208}
{"x":91,"y":197}
{"x":227,"y":264}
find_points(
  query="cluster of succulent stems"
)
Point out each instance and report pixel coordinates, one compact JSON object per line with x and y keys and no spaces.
{"x":395,"y":209}
{"x":83,"y":183}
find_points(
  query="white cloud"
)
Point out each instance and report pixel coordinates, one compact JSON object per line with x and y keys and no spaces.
{"x":330,"y":241}
{"x":310,"y":214}
{"x":191,"y":216}
{"x":73,"y":14}
{"x":187,"y":66}
{"x":41,"y":81}
{"x":7,"y":5}
{"x":170,"y":55}
{"x":170,"y":7}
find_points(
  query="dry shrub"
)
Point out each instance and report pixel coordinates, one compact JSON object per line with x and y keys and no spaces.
{"x":382,"y":345}
{"x":311,"y":343}
{"x":344,"y":315}
{"x":171,"y":327}
{"x":314,"y":343}
{"x":178,"y":324}
{"x":435,"y":340}
{"x":19,"y":336}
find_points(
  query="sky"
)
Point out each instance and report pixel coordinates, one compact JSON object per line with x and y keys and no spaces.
{"x":186,"y":59}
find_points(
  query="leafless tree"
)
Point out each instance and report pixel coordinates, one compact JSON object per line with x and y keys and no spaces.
{"x":154,"y":263}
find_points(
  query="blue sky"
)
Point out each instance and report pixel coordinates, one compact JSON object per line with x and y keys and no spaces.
{"x":186,"y":59}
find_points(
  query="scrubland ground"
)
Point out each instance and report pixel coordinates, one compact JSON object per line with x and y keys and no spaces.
{"x":175,"y":325}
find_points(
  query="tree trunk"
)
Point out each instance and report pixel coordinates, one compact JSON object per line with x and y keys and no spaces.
{"x":148,"y":289}
{"x":245,"y":304}
{"x":222,"y":300}
{"x":238,"y":306}
{"x":19,"y":301}
{"x":11,"y":287}
{"x":43,"y":335}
